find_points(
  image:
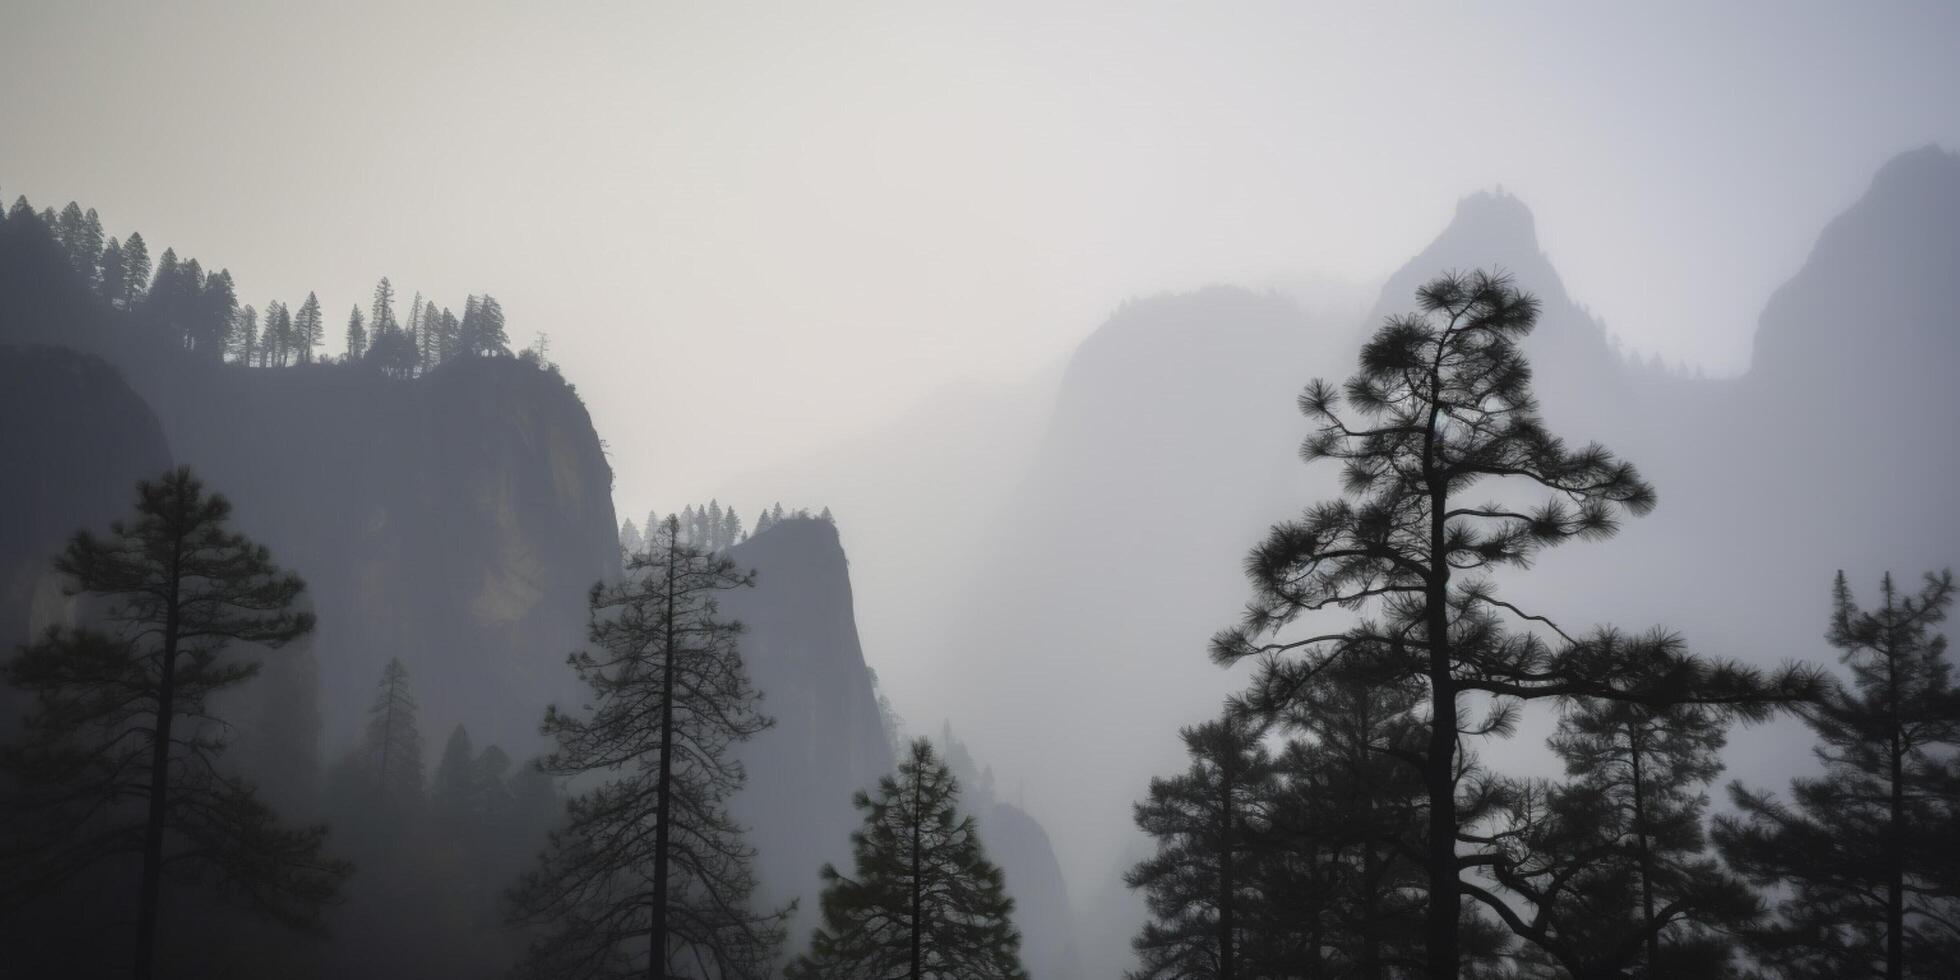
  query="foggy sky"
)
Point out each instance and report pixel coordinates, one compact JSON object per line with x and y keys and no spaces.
{"x":750,"y":233}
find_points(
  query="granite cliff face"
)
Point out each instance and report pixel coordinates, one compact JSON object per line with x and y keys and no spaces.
{"x":54,"y":400}
{"x":454,"y":520}
{"x":802,"y":652}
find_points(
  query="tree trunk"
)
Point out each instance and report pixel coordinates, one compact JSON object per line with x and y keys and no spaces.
{"x":1646,"y":859}
{"x":663,"y":794}
{"x":1371,"y":942}
{"x":1227,"y":956}
{"x":1895,"y":858}
{"x":1439,"y":768}
{"x":152,"y":884}
{"x":918,"y":886}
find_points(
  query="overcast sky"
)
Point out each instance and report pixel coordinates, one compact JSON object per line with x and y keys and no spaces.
{"x":752,"y":232}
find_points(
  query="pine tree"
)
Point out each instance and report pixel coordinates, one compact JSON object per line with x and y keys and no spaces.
{"x":135,"y":281}
{"x":1348,"y":816}
{"x":120,"y":751}
{"x":1204,"y":822}
{"x":308,"y":330}
{"x":630,"y":541}
{"x":114,"y":267}
{"x":1442,"y":403}
{"x":1863,"y":849}
{"x":216,"y":311}
{"x":1612,"y":867}
{"x":449,"y":340}
{"x":356,"y":336}
{"x":278,"y":336}
{"x":923,"y":902}
{"x":453,"y":791}
{"x":490,"y":337}
{"x":80,"y":237}
{"x":650,"y":871}
{"x":381,"y":317}
{"x":392,"y":751}
{"x":245,"y":336}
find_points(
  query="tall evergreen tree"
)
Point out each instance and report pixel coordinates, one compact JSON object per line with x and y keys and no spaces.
{"x":483,"y":332}
{"x":651,"y":872}
{"x":356,"y":336}
{"x":1611,"y":867}
{"x":135,"y":281}
{"x":381,"y":316}
{"x":449,"y":340}
{"x":209,"y":329}
{"x":114,"y":267}
{"x":630,"y":541}
{"x":923,"y":902}
{"x":1199,"y":881}
{"x":1442,"y":404}
{"x":1863,"y":849}
{"x":245,"y":336}
{"x":120,"y":752}
{"x":308,"y":330}
{"x":278,"y":335}
{"x":1349,"y":816}
{"x":392,"y":752}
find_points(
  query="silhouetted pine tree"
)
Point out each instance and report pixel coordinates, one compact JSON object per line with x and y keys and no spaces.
{"x":1868,"y":850}
{"x":381,"y":316}
{"x":1197,"y":884}
{"x":120,"y":749}
{"x":922,"y":902}
{"x":484,"y":333}
{"x":1348,"y":818}
{"x":1611,"y":867}
{"x":391,"y":754}
{"x":308,"y":330}
{"x":135,"y":280}
{"x":278,"y":338}
{"x":209,"y":329}
{"x":1442,"y":403}
{"x":651,"y":872}
{"x":630,"y":541}
{"x":109,"y":284}
{"x":245,"y":336}
{"x":356,"y":336}
{"x":449,"y":332}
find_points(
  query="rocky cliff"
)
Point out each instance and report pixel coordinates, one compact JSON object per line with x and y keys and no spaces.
{"x":454,"y":520}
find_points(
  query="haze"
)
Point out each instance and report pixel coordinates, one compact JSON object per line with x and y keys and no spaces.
{"x":954,"y":273}
{"x":809,"y":216}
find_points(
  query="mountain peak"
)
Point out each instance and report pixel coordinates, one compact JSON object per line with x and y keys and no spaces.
{"x":1497,"y":217}
{"x":1878,"y":288}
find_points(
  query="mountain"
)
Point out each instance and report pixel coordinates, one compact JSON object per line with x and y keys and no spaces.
{"x":454,"y":520}
{"x":57,"y":400}
{"x":1172,"y":447}
{"x":1017,"y":843}
{"x":801,"y":649}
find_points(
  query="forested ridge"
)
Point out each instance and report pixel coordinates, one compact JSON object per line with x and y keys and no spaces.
{"x":202,"y":311}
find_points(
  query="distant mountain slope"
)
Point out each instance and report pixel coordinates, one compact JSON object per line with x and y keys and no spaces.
{"x":454,"y":520}
{"x":802,"y":652}
{"x":1172,"y":446}
{"x":76,"y":442}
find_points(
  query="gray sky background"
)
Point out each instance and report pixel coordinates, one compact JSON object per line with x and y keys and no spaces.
{"x":751,"y":232}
